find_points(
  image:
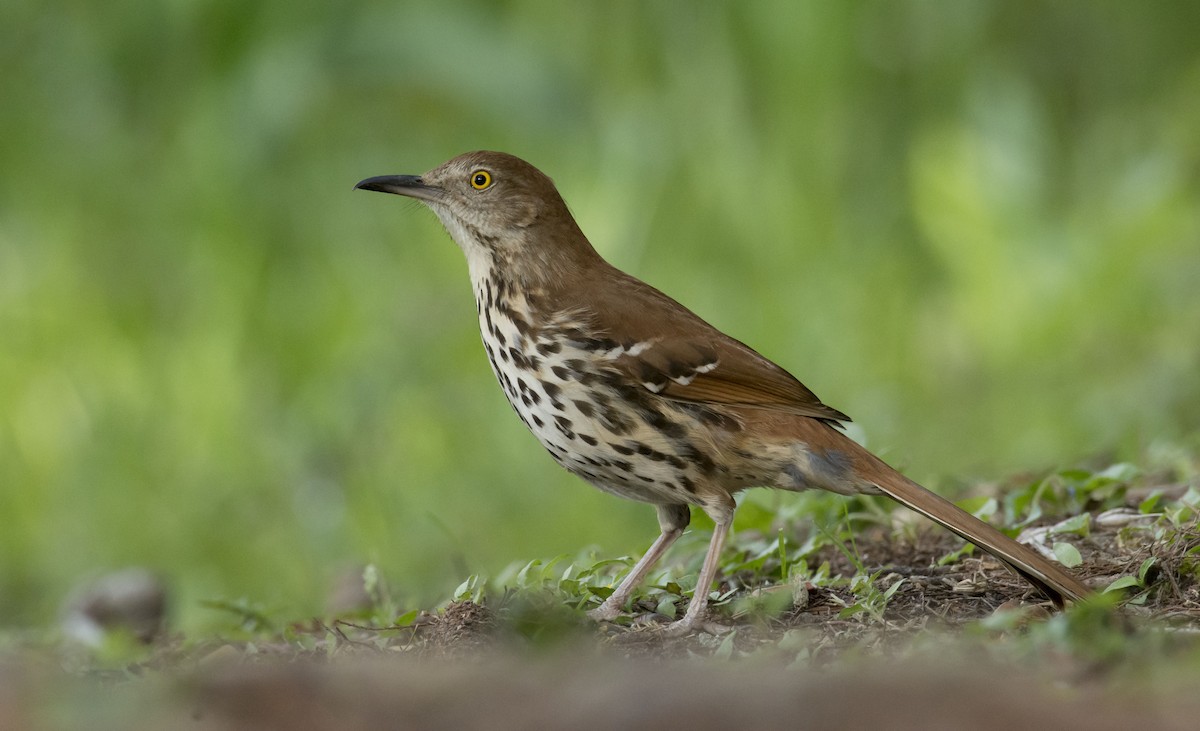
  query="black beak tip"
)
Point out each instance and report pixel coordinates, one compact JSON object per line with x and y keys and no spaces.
{"x":377,"y":183}
{"x":411,"y":186}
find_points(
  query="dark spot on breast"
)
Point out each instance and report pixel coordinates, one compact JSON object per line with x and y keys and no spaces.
{"x":687,"y":484}
{"x":689,"y":453}
{"x":587,"y":378}
{"x":588,"y":440}
{"x":614,"y":421}
{"x":552,"y":391}
{"x":549,"y":348}
{"x":584,"y":407}
{"x":657,"y":420}
{"x":537,"y":420}
{"x":621,"y":449}
{"x":560,"y":373}
{"x":564,"y":426}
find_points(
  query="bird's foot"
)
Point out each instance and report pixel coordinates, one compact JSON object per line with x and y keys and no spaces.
{"x":604,"y":613}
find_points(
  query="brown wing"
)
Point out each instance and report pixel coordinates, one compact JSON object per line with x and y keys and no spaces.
{"x":720,"y":370}
{"x":672,"y":352}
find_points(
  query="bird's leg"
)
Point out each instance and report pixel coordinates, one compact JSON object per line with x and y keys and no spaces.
{"x":672,"y":519}
{"x":704,"y":583}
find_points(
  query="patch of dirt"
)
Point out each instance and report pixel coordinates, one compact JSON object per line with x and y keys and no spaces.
{"x":463,"y":628}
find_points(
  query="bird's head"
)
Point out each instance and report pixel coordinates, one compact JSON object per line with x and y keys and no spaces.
{"x":493,"y":203}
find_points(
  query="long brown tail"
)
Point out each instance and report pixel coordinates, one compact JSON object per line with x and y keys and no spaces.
{"x":1054,"y":581}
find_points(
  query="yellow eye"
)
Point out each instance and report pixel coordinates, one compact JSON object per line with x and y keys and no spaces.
{"x":481,"y":179}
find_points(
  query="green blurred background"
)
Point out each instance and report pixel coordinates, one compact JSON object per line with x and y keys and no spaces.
{"x":973,"y":226}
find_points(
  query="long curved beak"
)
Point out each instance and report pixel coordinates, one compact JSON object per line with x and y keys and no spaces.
{"x":408,"y":185}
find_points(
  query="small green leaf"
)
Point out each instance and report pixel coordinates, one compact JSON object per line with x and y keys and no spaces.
{"x":1067,"y":555}
{"x":851,"y":610}
{"x":954,"y":556}
{"x":471,"y":589}
{"x":1150,"y":503}
{"x":892,"y":589}
{"x":603,"y":592}
{"x":1140,"y":598}
{"x":981,"y":506}
{"x":725,"y":651}
{"x":1122,"y":583}
{"x":523,"y":576}
{"x":1079,"y":525}
{"x":1122,"y":471}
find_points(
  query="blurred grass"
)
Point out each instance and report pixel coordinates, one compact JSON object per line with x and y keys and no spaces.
{"x":973,"y":226}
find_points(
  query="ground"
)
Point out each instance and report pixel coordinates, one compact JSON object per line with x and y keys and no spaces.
{"x":882,"y":621}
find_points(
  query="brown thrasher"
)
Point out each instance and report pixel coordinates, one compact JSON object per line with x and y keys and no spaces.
{"x":634,"y":393}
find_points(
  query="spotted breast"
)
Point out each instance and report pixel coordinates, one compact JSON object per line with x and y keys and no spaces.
{"x":565,"y":381}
